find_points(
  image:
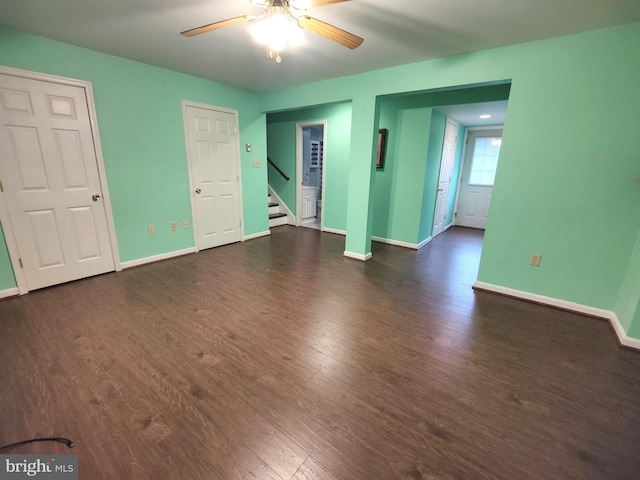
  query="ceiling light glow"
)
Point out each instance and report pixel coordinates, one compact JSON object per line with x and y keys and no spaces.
{"x":277,"y":31}
{"x":485,"y":116}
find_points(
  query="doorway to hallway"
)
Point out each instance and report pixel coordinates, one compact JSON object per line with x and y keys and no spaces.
{"x":310,"y":145}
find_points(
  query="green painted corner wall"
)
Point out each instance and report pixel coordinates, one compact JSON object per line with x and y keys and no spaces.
{"x":455,"y":176}
{"x":139,"y":114}
{"x":281,"y":145}
{"x":565,"y":184}
{"x":7,"y":279}
{"x":432,"y":174}
{"x":627,"y":307}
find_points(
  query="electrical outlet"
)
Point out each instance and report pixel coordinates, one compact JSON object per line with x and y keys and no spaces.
{"x":174,"y":226}
{"x":255,"y":164}
{"x":185,"y":224}
{"x":151,"y":229}
{"x":535,"y":259}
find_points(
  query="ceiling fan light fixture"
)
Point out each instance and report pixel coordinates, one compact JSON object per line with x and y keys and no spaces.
{"x":277,"y":31}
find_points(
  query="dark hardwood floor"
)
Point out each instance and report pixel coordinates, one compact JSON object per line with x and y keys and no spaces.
{"x":281,"y":359}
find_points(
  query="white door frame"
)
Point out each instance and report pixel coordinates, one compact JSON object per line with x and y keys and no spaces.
{"x":464,"y":154}
{"x":299,"y":161}
{"x":12,"y":245}
{"x":194,"y":223}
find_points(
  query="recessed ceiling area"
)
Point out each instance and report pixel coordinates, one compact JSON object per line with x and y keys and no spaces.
{"x":469,"y":115}
{"x":395,"y":32}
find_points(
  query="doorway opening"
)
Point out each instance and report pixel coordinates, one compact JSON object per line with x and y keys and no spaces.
{"x":310,"y":146}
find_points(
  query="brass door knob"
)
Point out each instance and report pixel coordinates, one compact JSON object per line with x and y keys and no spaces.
{"x":198,"y":191}
{"x":95,"y":197}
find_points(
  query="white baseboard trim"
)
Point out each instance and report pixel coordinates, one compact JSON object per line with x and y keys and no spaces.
{"x":426,"y":241}
{"x":399,"y":243}
{"x":358,"y":256}
{"x":621,"y":335}
{"x":256,"y":235}
{"x":9,"y":292}
{"x":334,"y":230}
{"x":155,"y":258}
{"x":448,"y":227}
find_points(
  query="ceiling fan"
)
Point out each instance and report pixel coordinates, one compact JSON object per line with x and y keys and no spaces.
{"x":280,"y":25}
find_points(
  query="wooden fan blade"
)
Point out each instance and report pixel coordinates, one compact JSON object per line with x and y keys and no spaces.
{"x":330,"y":32}
{"x":216,"y":25}
{"x":324,"y":3}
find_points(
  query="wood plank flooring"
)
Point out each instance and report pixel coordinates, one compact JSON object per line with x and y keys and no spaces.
{"x":279,"y":359}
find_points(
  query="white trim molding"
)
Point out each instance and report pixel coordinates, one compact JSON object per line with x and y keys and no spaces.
{"x":156,"y":258}
{"x":334,"y":230}
{"x":358,"y":256}
{"x":256,"y":235}
{"x":9,"y":292}
{"x":399,"y":243}
{"x":621,"y":335}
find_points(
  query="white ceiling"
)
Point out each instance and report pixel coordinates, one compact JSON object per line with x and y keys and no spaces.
{"x":469,"y":114}
{"x":395,"y":32}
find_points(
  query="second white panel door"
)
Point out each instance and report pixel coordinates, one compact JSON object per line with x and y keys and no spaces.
{"x":213,"y":158}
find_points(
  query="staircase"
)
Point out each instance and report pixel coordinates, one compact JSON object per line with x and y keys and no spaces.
{"x":277,"y":214}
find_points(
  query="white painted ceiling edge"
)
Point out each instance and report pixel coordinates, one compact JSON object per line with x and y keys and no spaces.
{"x":395,"y":32}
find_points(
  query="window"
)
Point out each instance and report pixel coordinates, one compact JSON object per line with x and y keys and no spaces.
{"x":485,"y":161}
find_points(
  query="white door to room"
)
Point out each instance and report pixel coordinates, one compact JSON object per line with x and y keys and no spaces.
{"x":212,"y":143}
{"x":51,"y":183}
{"x":444,"y":180}
{"x":478,"y":174}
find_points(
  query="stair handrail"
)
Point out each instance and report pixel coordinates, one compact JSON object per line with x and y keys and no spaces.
{"x":284,"y":175}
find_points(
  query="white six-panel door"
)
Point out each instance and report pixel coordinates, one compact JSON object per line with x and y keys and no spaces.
{"x":51,"y":183}
{"x":213,"y":162}
{"x":444,"y":181}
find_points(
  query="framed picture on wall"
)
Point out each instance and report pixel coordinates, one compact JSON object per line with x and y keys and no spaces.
{"x":382,"y":146}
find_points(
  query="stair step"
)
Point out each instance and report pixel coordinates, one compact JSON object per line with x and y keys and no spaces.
{"x":277,"y":215}
{"x":273,"y":204}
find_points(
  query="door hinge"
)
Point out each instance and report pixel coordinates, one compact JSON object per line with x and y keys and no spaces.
{"x":1,"y":187}
{"x":20,"y":261}
{"x":240,"y":222}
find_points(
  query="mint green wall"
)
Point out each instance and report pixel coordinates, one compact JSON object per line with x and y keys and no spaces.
{"x":432,"y":174}
{"x":398,"y":187}
{"x":455,"y":176}
{"x":7,"y":280}
{"x":634,"y":329}
{"x":139,"y":113}
{"x":281,"y":145}
{"x":281,"y":149}
{"x":565,"y":184}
